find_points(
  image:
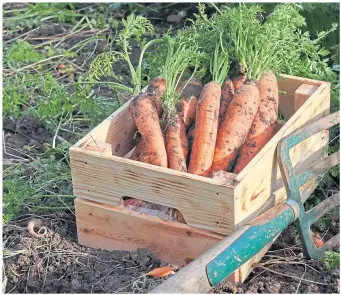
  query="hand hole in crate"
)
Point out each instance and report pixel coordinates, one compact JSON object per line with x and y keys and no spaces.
{"x":152,"y":209}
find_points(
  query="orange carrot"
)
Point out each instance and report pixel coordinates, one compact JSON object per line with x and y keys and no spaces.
{"x":144,"y":112}
{"x":190,"y":135}
{"x":238,"y":81}
{"x":239,"y":75}
{"x":264,"y":124}
{"x":235,"y":127}
{"x":161,"y":272}
{"x":139,"y":148}
{"x":205,"y":132}
{"x":176,"y":144}
{"x":318,"y":242}
{"x":140,"y":152}
{"x":227,"y":92}
{"x":189,"y":100}
{"x":157,"y":86}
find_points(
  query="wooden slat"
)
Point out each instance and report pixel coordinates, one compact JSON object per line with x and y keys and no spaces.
{"x":290,"y":84}
{"x":204,"y":202}
{"x":118,"y":130}
{"x":302,"y":94}
{"x":99,"y":147}
{"x":116,"y":228}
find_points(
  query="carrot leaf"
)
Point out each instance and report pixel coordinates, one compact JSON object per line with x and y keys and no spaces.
{"x":134,"y":27}
{"x":182,"y":54}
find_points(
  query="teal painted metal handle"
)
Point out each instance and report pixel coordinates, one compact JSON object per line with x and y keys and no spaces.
{"x":262,"y":231}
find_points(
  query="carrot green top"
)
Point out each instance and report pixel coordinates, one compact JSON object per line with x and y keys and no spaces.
{"x":181,"y":55}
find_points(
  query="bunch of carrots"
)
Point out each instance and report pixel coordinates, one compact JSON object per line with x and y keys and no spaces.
{"x":220,"y":125}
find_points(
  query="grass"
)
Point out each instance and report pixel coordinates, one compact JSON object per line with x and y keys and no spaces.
{"x":41,"y":69}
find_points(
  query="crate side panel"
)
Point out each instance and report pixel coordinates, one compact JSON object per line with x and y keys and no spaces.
{"x":289,"y":84}
{"x":116,"y":228}
{"x":118,"y":130}
{"x":260,"y":180}
{"x":203,"y":203}
{"x":121,"y":131}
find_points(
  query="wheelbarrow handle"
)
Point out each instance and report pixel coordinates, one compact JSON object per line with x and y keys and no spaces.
{"x":220,"y":261}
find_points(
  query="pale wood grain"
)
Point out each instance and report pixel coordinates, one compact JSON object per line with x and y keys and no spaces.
{"x":116,"y":228}
{"x":99,"y":147}
{"x":302,"y":94}
{"x":205,"y":203}
{"x":290,"y":84}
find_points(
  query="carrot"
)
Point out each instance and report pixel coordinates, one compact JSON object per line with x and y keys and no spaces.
{"x":180,"y":58}
{"x":189,"y":100}
{"x":227,"y":92}
{"x":157,"y":86}
{"x":238,"y":81}
{"x":143,"y":110}
{"x":190,"y":135}
{"x":318,"y":242}
{"x":139,"y":148}
{"x":235,"y":127}
{"x":264,"y":124}
{"x":140,"y":152}
{"x":205,"y":132}
{"x":161,"y":272}
{"x":176,"y":144}
{"x":239,"y":75}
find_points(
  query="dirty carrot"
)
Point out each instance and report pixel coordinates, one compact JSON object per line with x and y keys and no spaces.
{"x":180,"y":57}
{"x":264,"y":124}
{"x":205,"y":131}
{"x":189,"y":100}
{"x":206,"y":119}
{"x":238,"y":81}
{"x":144,"y":112}
{"x":157,"y":86}
{"x":227,"y":92}
{"x":235,"y":127}
{"x":140,"y":152}
{"x":177,"y":150}
{"x":239,"y":76}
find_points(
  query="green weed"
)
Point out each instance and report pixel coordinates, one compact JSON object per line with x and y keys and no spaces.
{"x":331,"y":259}
{"x":39,"y":186}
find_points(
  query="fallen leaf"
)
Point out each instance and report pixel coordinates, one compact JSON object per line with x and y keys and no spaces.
{"x":161,"y":272}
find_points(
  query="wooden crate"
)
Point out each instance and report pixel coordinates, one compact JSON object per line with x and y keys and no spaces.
{"x":213,"y":208}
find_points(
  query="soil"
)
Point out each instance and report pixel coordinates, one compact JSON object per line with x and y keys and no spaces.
{"x":284,"y":270}
{"x":55,"y":263}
